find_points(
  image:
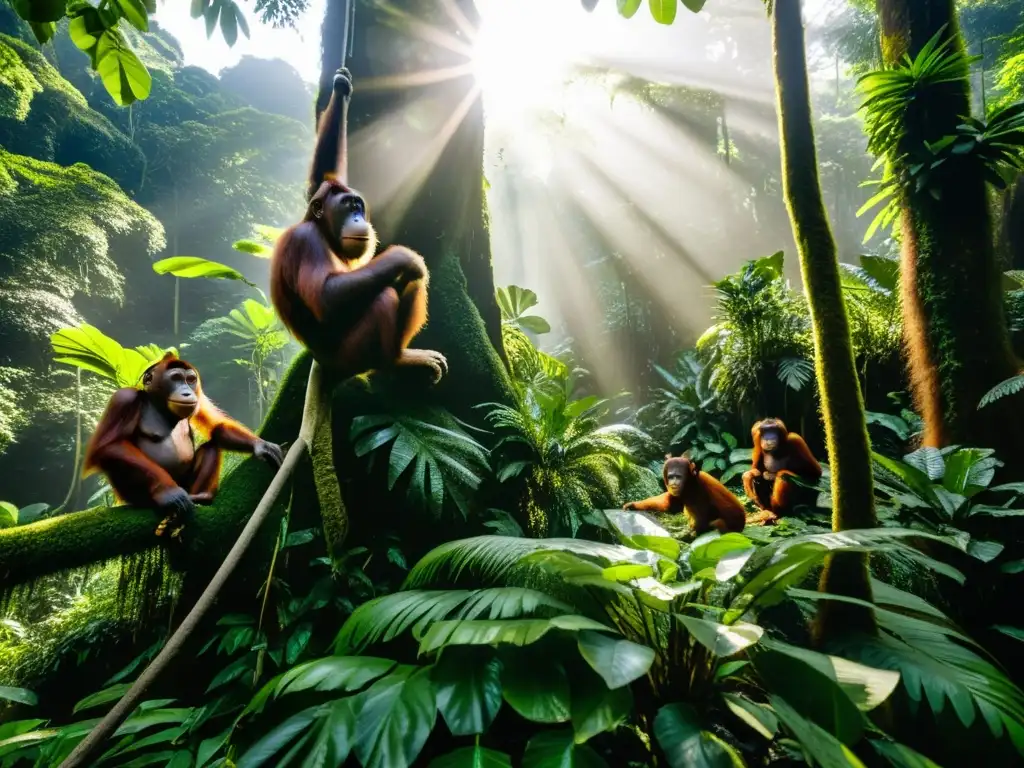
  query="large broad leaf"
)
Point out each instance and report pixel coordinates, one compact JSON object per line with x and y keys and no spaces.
{"x":595,"y":708}
{"x":113,"y":693}
{"x":686,"y":745}
{"x":664,"y":11}
{"x":884,"y":271}
{"x":265,"y":751}
{"x":509,"y":631}
{"x":20,"y":695}
{"x":467,"y":682}
{"x":472,"y":757}
{"x":826,"y":749}
{"x":812,"y":693}
{"x":384,"y":618}
{"x":8,"y":515}
{"x":397,"y":716}
{"x":334,"y":673}
{"x":536,"y":686}
{"x":867,"y":687}
{"x":195,"y":266}
{"x":757,"y":716}
{"x":707,"y":549}
{"x":558,"y":749}
{"x":333,"y":734}
{"x":722,"y":639}
{"x":90,"y":349}
{"x":40,"y":11}
{"x":618,"y":661}
{"x":125,"y":78}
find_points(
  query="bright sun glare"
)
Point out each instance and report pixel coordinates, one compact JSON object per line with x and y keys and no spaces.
{"x":521,"y":58}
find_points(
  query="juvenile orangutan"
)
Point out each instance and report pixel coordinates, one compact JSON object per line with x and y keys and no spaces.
{"x":778,"y":454}
{"x":708,"y":504}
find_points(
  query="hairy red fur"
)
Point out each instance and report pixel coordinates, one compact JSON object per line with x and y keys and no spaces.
{"x":778,"y":496}
{"x":355,"y":312}
{"x":708,"y":504}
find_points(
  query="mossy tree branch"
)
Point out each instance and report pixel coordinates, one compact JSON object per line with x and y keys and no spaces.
{"x":841,"y":402}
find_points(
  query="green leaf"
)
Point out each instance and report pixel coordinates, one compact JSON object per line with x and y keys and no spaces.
{"x":558,"y":749}
{"x":902,"y":756}
{"x":866,"y":686}
{"x":266,"y":748}
{"x":135,"y":12}
{"x":663,"y":11}
{"x":510,"y":631}
{"x":8,"y":515}
{"x":297,"y":641}
{"x":536,"y":686}
{"x":685,"y":744}
{"x":627,"y":8}
{"x":332,"y":735}
{"x":721,"y":639}
{"x":472,"y":757}
{"x":618,"y":661}
{"x":195,"y":266}
{"x":595,"y":708}
{"x":467,"y":682}
{"x":826,"y":749}
{"x":20,"y":695}
{"x":397,"y":716}
{"x":229,"y":14}
{"x":707,"y":549}
{"x":105,"y":696}
{"x":125,"y":78}
{"x":812,"y":693}
{"x":757,"y":716}
{"x":534,"y":324}
{"x":334,"y":673}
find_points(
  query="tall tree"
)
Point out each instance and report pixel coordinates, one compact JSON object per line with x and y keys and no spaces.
{"x":841,"y":403}
{"x":956,"y":334}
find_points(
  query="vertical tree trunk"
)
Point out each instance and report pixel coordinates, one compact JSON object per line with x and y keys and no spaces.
{"x":953,"y":317}
{"x":841,"y":403}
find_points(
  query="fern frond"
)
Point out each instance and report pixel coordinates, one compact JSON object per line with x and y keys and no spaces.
{"x":1003,"y":389}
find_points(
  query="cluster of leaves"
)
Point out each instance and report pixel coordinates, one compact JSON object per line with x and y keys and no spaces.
{"x":604,"y":638}
{"x":95,"y":29}
{"x":662,"y":11}
{"x":995,"y":145}
{"x":762,"y":331}
{"x":288,"y":628}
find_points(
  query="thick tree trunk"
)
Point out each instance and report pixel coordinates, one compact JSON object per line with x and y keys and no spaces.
{"x":956,"y":335}
{"x":841,"y":403}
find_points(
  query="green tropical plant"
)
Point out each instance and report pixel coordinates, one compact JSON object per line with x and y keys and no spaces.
{"x":427,"y":447}
{"x":513,"y":302}
{"x":262,"y":337}
{"x":947,"y":491}
{"x":97,"y":31}
{"x":559,"y":458}
{"x":685,"y":416}
{"x":598,"y":636}
{"x":997,"y":144}
{"x":11,"y":515}
{"x":762,"y":330}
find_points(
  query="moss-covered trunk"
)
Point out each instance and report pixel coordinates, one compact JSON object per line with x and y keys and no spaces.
{"x":956,"y":335}
{"x":841,"y":403}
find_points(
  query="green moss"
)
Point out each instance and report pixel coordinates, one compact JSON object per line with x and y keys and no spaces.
{"x":333,"y":514}
{"x":476,"y":373}
{"x":841,"y":403}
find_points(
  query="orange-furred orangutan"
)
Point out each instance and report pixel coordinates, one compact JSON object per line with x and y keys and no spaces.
{"x":708,"y":503}
{"x":143,"y":443}
{"x":778,"y":453}
{"x":354,"y":311}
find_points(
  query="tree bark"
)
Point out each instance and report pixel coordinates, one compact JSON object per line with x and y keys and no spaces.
{"x":957,"y":340}
{"x":841,"y":403}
